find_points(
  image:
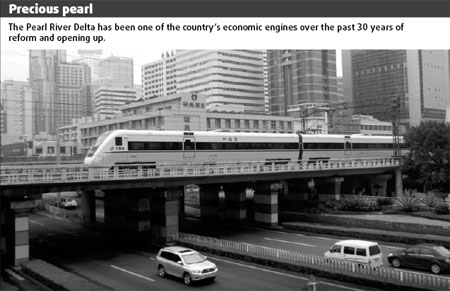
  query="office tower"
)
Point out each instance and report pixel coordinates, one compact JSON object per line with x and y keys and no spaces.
{"x":232,"y":80}
{"x":416,"y":80}
{"x":116,"y":72}
{"x":159,"y":78}
{"x":92,"y":59}
{"x":73,"y":93}
{"x":266,"y":83}
{"x":43,"y":80}
{"x":108,"y":100}
{"x":17,"y":108}
{"x":299,"y":77}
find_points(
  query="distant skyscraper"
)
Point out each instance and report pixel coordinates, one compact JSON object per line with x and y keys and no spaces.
{"x":73,"y":93}
{"x":159,"y":78}
{"x":17,"y":105}
{"x":109,"y":99}
{"x":231,"y":79}
{"x":299,"y":77}
{"x":116,"y":72}
{"x":92,"y":59}
{"x":43,"y":80}
{"x":417,"y":79}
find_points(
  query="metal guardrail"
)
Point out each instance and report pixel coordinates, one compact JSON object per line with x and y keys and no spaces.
{"x":385,"y":274}
{"x":13,"y":175}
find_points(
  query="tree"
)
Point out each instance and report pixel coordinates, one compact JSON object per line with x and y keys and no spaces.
{"x":427,"y":164}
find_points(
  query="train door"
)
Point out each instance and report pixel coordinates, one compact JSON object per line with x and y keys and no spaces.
{"x":347,"y":147}
{"x":189,"y":147}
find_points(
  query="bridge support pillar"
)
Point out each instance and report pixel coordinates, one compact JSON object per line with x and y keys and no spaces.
{"x":398,"y":182}
{"x":266,"y":203}
{"x":209,"y":202}
{"x":128,"y":212}
{"x":14,"y":239}
{"x":337,"y":181}
{"x":378,"y":185}
{"x":88,"y":206}
{"x":164,"y":208}
{"x":235,"y":202}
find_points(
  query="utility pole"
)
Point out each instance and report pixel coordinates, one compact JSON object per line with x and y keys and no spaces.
{"x":395,"y":105}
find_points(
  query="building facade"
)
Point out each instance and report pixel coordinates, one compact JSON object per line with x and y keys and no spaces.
{"x":416,"y":80}
{"x":92,"y":59}
{"x":159,"y":77}
{"x":301,"y":76}
{"x":108,"y":100}
{"x":43,"y":81}
{"x":116,"y":72}
{"x":73,"y":93}
{"x":231,"y":79}
{"x":17,"y":108}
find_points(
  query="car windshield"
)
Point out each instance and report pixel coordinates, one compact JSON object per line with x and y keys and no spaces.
{"x":193,"y":258}
{"x":442,"y":251}
{"x":374,"y":250}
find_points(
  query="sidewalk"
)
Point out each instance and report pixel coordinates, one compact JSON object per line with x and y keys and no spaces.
{"x":398,"y":236}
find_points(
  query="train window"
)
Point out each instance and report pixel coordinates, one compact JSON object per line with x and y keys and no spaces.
{"x":118,"y":141}
{"x":189,"y":145}
{"x":323,"y":146}
{"x":136,"y":146}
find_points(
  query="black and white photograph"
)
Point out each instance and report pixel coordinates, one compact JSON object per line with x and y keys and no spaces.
{"x":233,"y":169}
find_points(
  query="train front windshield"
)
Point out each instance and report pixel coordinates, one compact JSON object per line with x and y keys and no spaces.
{"x":99,"y":141}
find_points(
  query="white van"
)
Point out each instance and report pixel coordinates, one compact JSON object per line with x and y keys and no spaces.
{"x":358,"y":251}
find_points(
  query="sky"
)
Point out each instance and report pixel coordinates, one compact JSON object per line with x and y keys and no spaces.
{"x":14,"y":63}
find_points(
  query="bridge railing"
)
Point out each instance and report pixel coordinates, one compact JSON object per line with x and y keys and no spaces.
{"x":385,"y":274}
{"x":78,"y":173}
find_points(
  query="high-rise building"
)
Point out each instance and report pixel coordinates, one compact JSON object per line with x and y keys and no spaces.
{"x":116,"y":72}
{"x":17,"y":108}
{"x":301,"y":77}
{"x":92,"y":59}
{"x":43,"y":80}
{"x":232,"y":80}
{"x":108,"y":100}
{"x":73,"y":93}
{"x":159,"y":78}
{"x":416,"y":81}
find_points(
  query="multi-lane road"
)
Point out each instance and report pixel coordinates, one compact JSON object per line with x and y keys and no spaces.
{"x":121,"y":264}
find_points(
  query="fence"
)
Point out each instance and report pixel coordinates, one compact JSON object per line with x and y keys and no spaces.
{"x":384,"y":274}
{"x":77,"y":173}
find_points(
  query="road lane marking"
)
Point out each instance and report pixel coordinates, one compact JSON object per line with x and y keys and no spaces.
{"x":36,"y":222}
{"x":290,"y":242}
{"x":132,"y":273}
{"x":282,"y":274}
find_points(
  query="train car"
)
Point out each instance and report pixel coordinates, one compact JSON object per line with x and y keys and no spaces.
{"x":144,"y":147}
{"x":149,"y":147}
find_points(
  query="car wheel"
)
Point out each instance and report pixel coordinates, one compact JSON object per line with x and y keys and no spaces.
{"x":187,"y":279}
{"x":396,"y":263}
{"x":161,"y":271}
{"x":435,"y":268}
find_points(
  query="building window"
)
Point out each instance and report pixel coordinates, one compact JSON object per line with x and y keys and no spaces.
{"x":50,"y":150}
{"x":187,"y":119}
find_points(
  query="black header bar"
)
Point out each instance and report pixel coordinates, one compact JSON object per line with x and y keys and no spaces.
{"x":226,"y":8}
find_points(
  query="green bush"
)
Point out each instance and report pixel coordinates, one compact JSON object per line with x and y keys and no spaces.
{"x":384,"y":201}
{"x":408,"y":201}
{"x":359,"y":204}
{"x":442,"y":208}
{"x":430,"y":199}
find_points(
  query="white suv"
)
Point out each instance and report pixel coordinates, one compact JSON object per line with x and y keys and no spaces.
{"x":185,"y":263}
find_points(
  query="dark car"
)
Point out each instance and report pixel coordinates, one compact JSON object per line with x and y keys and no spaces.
{"x":435,"y":258}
